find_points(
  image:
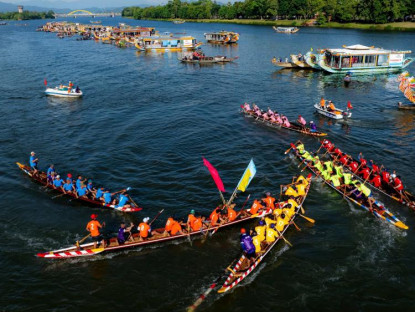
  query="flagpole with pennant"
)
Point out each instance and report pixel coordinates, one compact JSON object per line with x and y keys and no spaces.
{"x":215,"y":175}
{"x":246,"y":178}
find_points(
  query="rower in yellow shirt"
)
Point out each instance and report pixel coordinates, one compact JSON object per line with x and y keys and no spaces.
{"x":272,"y":234}
{"x":302,"y":180}
{"x":282,"y":221}
{"x":290,"y":191}
{"x":260,"y":229}
{"x":269,"y":221}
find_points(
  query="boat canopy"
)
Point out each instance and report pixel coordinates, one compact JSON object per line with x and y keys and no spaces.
{"x":358,"y":49}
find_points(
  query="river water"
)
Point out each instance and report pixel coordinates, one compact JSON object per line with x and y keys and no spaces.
{"x":145,"y":121}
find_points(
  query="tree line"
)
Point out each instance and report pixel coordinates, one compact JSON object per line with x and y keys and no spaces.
{"x":26,"y":15}
{"x":366,"y":11}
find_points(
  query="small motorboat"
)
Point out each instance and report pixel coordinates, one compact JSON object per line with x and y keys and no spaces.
{"x":336,"y":114}
{"x":64,"y":91}
{"x":406,"y":106}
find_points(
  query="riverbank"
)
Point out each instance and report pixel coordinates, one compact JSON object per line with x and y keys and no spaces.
{"x":26,"y":15}
{"x":398,"y":26}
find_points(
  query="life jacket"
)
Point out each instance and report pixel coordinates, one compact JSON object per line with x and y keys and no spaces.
{"x":325,"y":174}
{"x":364,"y":189}
{"x":255,"y":207}
{"x":302,"y":180}
{"x":307,"y":156}
{"x":276,"y":212}
{"x":269,"y":201}
{"x":289,"y":212}
{"x":347,"y":177}
{"x":256,"y":240}
{"x":144,"y":229}
{"x":329,"y":165}
{"x":300,"y":189}
{"x":319,"y":166}
{"x":214,"y":217}
{"x":269,"y":221}
{"x":169,"y":224}
{"x":271,"y":235}
{"x":293,"y":203}
{"x":281,"y":224}
{"x":300,"y":148}
{"x":260,"y":230}
{"x":175,"y":228}
{"x":190,"y":219}
{"x":335,"y":180}
{"x":291,"y":192}
{"x":197,"y":224}
{"x":339,"y":170}
{"x":398,"y":184}
{"x":353,"y":166}
{"x":231,"y":214}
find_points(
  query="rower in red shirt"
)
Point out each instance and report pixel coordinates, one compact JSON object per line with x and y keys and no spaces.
{"x":328,"y":145}
{"x":385,"y":177}
{"x":353,"y":166}
{"x":365,"y":172}
{"x":337,"y":151}
{"x":344,"y":159}
{"x":398,"y":184}
{"x":376,"y":181}
{"x":363,"y":161}
{"x":374,"y":167}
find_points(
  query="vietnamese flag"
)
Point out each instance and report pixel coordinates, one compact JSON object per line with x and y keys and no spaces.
{"x":349,"y":105}
{"x":45,"y":82}
{"x":215,"y":175}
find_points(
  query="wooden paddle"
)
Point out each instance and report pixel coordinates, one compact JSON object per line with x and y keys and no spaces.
{"x":296,"y":226}
{"x":282,"y":236}
{"x":307,"y":218}
{"x":77,"y":244}
{"x":157,"y":215}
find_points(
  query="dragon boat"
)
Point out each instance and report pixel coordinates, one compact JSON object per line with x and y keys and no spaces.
{"x":386,"y":188}
{"x":244,"y":267}
{"x":293,"y":126}
{"x":158,"y":238}
{"x":41,"y":178}
{"x":378,"y":208}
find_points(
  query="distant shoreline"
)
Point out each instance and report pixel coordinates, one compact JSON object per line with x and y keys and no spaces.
{"x":398,"y":26}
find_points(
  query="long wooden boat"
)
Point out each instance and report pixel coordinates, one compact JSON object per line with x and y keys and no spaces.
{"x":208,"y":60}
{"x":113,"y":245}
{"x":406,"y":106}
{"x":364,"y":60}
{"x":386,"y":188}
{"x":243,"y":267}
{"x":293,"y":127}
{"x":284,"y":64}
{"x":379,"y":210}
{"x":41,"y":178}
{"x":337,"y":114}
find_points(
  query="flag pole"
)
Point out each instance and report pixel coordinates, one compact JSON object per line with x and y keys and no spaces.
{"x":223,"y":199}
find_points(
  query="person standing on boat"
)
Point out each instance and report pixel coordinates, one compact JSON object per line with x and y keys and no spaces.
{"x":93,"y":227}
{"x":301,"y":121}
{"x":33,"y":161}
{"x":247,"y":245}
{"x":323,"y":103}
{"x":123,"y":234}
{"x":50,"y":169}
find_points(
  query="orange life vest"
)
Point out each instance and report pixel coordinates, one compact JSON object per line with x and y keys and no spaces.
{"x":255,"y":207}
{"x":214,"y":217}
{"x":197,"y":224}
{"x":93,"y":227}
{"x":231,"y":214}
{"x":190,"y":219}
{"x":175,"y":228}
{"x":144,"y":229}
{"x":269,"y":201}
{"x":169,"y":224}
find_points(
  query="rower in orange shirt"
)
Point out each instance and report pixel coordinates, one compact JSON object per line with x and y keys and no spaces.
{"x":93,"y":227}
{"x":190,"y":220}
{"x":232,"y":215}
{"x":269,"y":201}
{"x":215,"y":217}
{"x":255,"y":207}
{"x":172,"y":227}
{"x":145,"y":229}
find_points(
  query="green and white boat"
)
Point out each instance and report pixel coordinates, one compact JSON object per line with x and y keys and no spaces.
{"x":359,"y":59}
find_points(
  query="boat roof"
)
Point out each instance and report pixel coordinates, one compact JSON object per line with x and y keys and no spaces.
{"x":222,"y":32}
{"x":359,"y":49}
{"x":138,"y":29}
{"x":168,"y":38}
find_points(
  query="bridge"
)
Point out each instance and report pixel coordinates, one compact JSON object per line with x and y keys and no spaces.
{"x":85,"y":13}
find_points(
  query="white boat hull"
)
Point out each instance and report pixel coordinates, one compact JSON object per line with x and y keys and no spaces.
{"x":340,"y":115}
{"x":61,"y":93}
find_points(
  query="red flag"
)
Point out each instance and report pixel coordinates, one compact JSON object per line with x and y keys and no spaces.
{"x":45,"y":82}
{"x":215,"y":175}
{"x":349,"y":105}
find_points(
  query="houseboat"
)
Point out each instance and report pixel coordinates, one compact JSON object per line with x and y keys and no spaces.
{"x":222,"y":37}
{"x":362,"y":59}
{"x":167,"y":44}
{"x":312,"y":59}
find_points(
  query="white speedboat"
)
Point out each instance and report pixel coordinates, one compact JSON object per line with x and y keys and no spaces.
{"x":64,"y":92}
{"x":336,"y":114}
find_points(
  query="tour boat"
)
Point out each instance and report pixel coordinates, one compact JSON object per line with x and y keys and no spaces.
{"x":364,"y":60}
{"x":283,"y":64}
{"x":179,"y":21}
{"x":286,"y":30}
{"x":167,"y":44}
{"x":64,"y":92}
{"x":222,"y":37}
{"x":299,"y":61}
{"x":312,"y":60}
{"x":336,"y":114}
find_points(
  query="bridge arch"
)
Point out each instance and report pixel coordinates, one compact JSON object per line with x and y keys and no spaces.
{"x":84,"y":11}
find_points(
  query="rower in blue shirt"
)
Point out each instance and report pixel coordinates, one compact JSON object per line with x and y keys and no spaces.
{"x":91,"y":188}
{"x":79,"y":182}
{"x":50,"y":170}
{"x":68,"y":186}
{"x":69,"y":177}
{"x":33,"y":162}
{"x":107,"y":197}
{"x":81,"y":191}
{"x":57,"y":183}
{"x":99,"y":193}
{"x":122,"y":202}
